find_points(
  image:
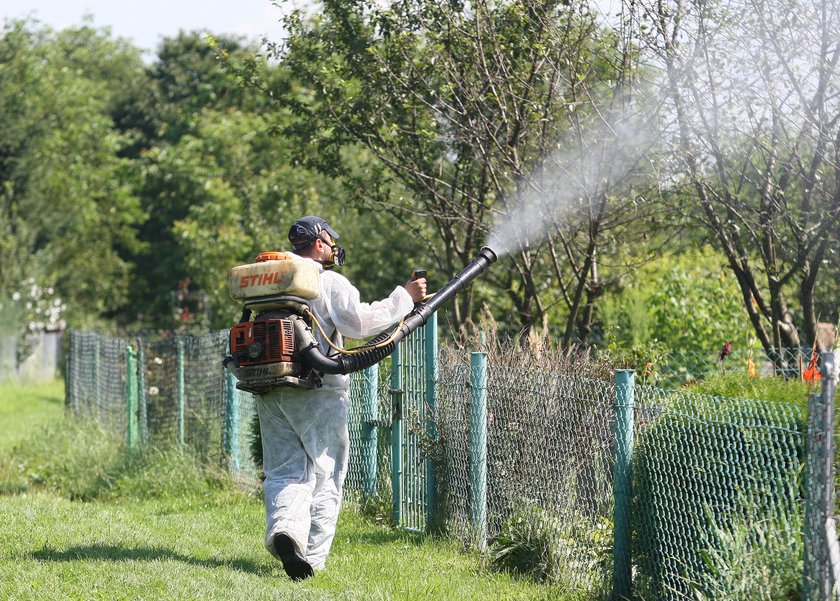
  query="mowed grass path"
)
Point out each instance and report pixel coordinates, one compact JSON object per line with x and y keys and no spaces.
{"x":24,"y":408}
{"x":51,"y":548}
{"x":209,"y":548}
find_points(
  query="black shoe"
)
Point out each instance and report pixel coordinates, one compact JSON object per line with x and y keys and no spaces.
{"x":295,"y":566}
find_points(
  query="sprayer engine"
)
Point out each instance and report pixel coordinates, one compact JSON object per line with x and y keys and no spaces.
{"x":265,"y":351}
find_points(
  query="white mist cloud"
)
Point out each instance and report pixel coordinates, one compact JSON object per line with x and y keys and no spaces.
{"x":572,"y":182}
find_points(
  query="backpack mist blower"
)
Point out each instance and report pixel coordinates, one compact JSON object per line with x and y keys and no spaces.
{"x":278,"y":347}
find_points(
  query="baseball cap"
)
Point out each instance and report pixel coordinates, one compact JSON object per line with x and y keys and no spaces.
{"x":306,"y":229}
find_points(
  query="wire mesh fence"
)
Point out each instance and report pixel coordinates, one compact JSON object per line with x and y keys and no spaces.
{"x":96,"y":379}
{"x":548,"y":457}
{"x":369,"y":425}
{"x":718,"y":497}
{"x":730,"y":498}
{"x":183,"y":396}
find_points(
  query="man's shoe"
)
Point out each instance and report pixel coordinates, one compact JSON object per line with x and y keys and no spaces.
{"x":295,"y":566}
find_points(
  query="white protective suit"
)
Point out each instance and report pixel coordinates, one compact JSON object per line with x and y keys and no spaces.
{"x":304,"y":432}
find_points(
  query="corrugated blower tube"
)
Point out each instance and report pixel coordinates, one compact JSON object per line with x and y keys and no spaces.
{"x":374,"y":351}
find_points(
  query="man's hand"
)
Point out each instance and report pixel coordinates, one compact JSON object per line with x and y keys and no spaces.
{"x":417,"y":289}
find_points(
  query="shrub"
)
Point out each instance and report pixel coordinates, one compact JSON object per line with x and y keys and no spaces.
{"x":572,"y":551}
{"x":752,"y":558}
{"x":527,"y":544}
{"x":776,"y":391}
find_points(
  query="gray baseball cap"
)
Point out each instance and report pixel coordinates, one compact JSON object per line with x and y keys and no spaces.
{"x":306,"y":229}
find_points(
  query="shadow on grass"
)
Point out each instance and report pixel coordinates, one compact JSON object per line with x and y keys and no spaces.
{"x":383,"y":537}
{"x":117,"y":553}
{"x":48,"y":399}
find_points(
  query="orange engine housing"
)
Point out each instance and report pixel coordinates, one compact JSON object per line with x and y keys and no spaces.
{"x":264,"y":341}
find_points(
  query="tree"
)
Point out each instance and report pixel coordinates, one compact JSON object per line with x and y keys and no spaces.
{"x":67,"y":208}
{"x":462,"y":105}
{"x":752,"y":87}
{"x":234,"y":194}
{"x":186,"y":91}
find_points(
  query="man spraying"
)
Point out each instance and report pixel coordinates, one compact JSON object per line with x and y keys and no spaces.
{"x":304,"y":431}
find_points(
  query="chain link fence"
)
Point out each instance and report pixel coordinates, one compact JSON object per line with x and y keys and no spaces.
{"x":679,"y":495}
{"x":717,"y":497}
{"x":821,"y":551}
{"x":549,"y":458}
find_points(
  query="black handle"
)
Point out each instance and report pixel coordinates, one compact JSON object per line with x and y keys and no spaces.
{"x":418,"y":274}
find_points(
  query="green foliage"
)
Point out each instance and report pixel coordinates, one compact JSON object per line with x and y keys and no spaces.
{"x":643,"y":358}
{"x":424,"y":88}
{"x":68,"y":211}
{"x":120,"y":180}
{"x":526,"y":545}
{"x":781,"y":394}
{"x":79,"y":459}
{"x":536,"y":543}
{"x":697,"y":308}
{"x":753,"y":558}
{"x":227,"y":184}
{"x":685,"y":303}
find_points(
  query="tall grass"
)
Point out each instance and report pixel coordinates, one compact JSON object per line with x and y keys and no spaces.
{"x":752,"y":558}
{"x":77,"y":459}
{"x":792,"y":394}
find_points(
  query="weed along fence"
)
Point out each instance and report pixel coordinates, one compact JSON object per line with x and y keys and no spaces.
{"x":604,"y":486}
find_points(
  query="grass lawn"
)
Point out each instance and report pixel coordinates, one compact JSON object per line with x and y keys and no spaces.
{"x":25,"y":407}
{"x":52,"y":548}
{"x":164,"y":533}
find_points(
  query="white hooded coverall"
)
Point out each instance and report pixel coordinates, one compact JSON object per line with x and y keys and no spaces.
{"x":304,"y":432}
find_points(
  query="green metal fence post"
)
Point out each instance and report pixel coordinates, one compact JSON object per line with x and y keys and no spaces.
{"x":180,"y":391}
{"x":75,"y":353}
{"x":231,"y":440}
{"x":396,"y":433}
{"x":431,"y":426}
{"x":96,"y":375}
{"x":131,"y":434}
{"x":370,"y":418}
{"x":625,"y":382}
{"x":821,"y":556}
{"x":143,"y":406}
{"x":68,"y":378}
{"x":829,"y":532}
{"x":478,"y":447}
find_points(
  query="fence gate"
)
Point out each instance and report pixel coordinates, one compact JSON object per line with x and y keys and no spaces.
{"x":414,"y":372}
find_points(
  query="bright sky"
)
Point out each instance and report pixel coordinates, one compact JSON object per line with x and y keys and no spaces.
{"x":147,"y":22}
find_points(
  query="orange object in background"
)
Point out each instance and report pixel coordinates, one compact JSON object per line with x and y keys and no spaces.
{"x":812,"y":372}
